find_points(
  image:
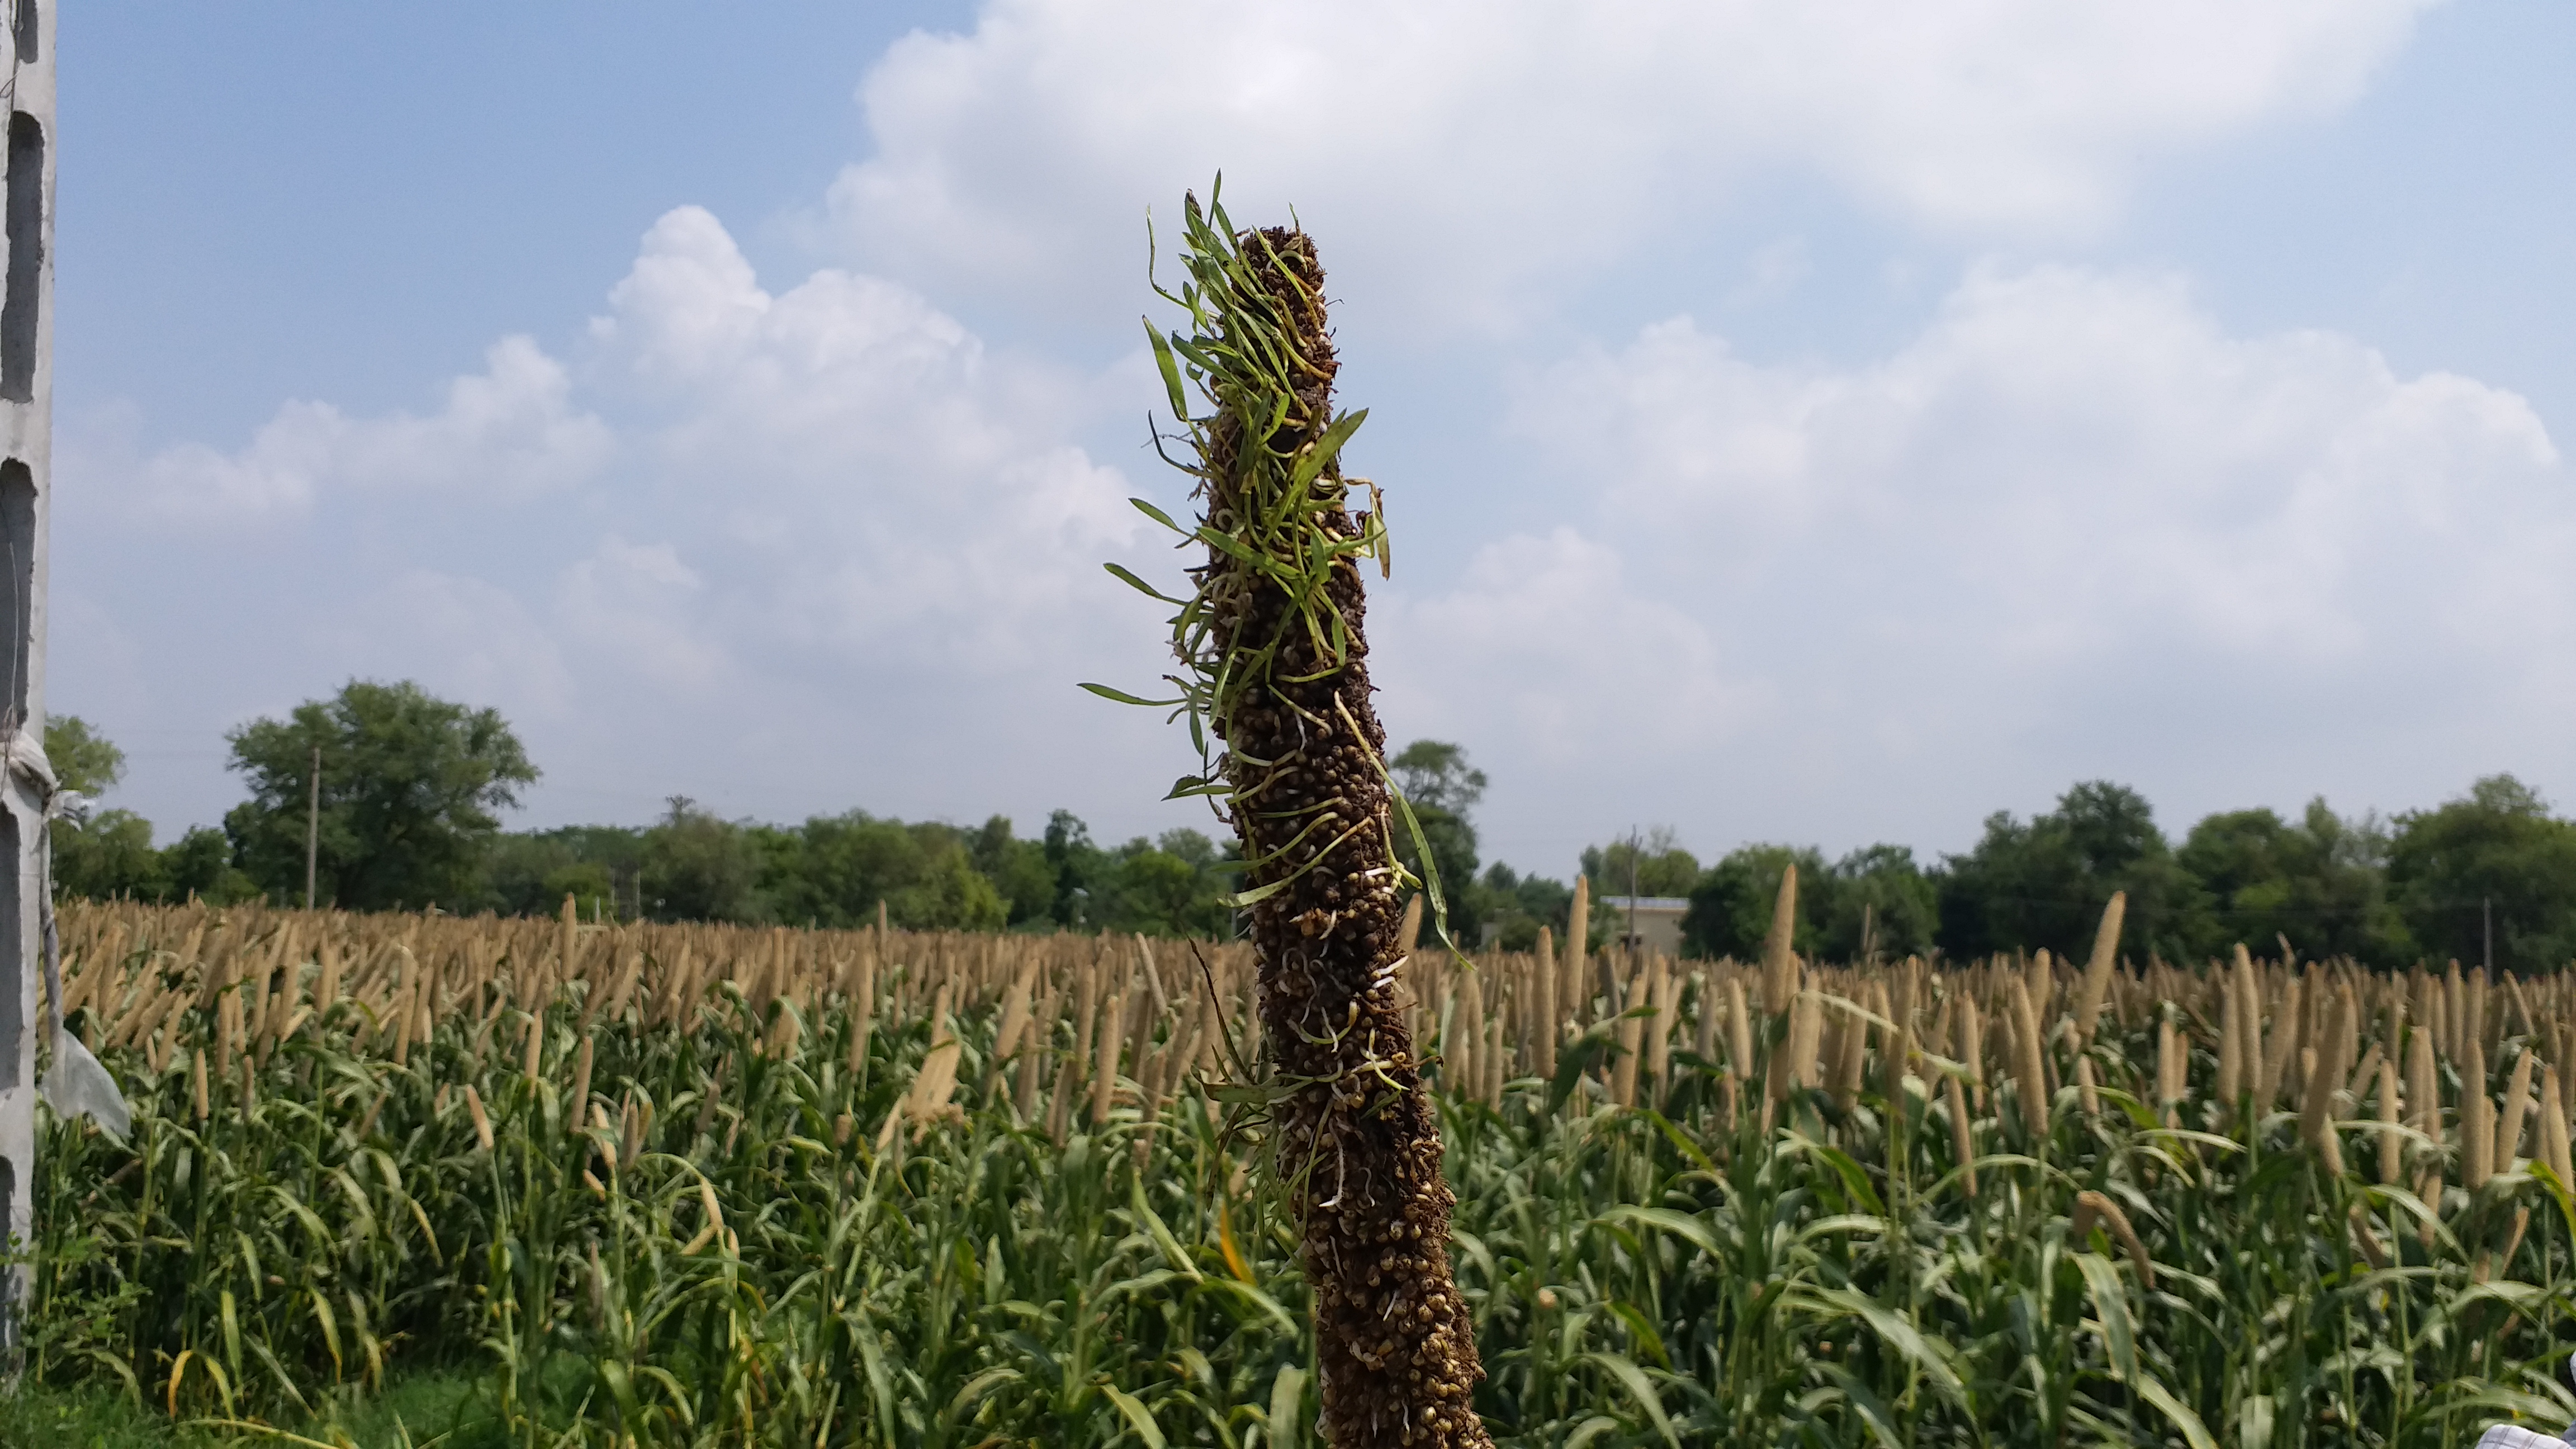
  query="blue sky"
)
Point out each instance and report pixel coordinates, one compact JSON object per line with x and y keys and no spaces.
{"x":1796,"y":427}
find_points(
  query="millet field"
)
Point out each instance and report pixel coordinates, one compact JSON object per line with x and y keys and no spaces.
{"x":676,"y":1185}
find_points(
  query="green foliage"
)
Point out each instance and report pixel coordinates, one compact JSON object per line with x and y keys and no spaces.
{"x":84,"y":761}
{"x":2498,"y":850}
{"x":1878,"y":903}
{"x":1730,"y":908}
{"x":111,"y":853}
{"x":2387,"y":894}
{"x":1672,"y":1274}
{"x":1514,"y":906}
{"x":409,"y":784}
{"x":2321,"y":884}
{"x":1173,"y":886}
{"x":1873,"y":902}
{"x":530,"y":873}
{"x":1654,"y":866}
{"x":1434,"y":774}
{"x":2044,"y":883}
{"x":834,"y":869}
{"x":1019,"y":870}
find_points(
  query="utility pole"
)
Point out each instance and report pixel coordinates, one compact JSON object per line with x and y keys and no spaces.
{"x":1633,"y":847}
{"x":312,"y":825}
{"x":26,"y":479}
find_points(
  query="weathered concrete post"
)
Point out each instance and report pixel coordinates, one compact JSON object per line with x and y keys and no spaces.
{"x":26,"y":456}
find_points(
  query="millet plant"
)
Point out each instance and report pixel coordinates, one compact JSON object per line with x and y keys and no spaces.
{"x":1274,"y":680}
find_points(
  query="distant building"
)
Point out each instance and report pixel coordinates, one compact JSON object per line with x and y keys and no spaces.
{"x":1658,"y":920}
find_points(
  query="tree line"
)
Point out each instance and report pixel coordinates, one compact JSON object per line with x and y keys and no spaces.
{"x":2488,"y":877}
{"x":395,"y":796}
{"x":393,"y":799}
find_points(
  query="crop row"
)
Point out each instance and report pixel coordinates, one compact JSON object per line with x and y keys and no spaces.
{"x":709,"y":1185}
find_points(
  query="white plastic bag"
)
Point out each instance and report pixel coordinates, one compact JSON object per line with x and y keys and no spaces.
{"x":76,"y":1083}
{"x":2514,"y":1436}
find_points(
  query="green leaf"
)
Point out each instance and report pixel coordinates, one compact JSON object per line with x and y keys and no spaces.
{"x":2194,"y":1432}
{"x":1326,"y":448}
{"x":1591,"y":1429}
{"x":1121,"y":696}
{"x":1170,"y":369}
{"x":1643,"y":1332}
{"x":1142,"y":1422}
{"x":1159,"y":516}
{"x":2111,"y":1306}
{"x":880,"y":1381}
{"x":1873,"y":1410}
{"x":1581,"y":1055}
{"x":1633,"y":1379}
{"x":1259,"y":1301}
{"x":1173,"y":1252}
{"x":1680,"y":1224}
{"x":1896,"y":1332}
{"x":1258,"y":893}
{"x":1122,"y":574}
{"x":1287,"y":1408}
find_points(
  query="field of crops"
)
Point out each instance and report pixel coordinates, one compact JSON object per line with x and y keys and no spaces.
{"x":708,"y":1185}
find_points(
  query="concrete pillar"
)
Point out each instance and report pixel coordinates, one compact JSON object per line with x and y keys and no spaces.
{"x":26,"y":459}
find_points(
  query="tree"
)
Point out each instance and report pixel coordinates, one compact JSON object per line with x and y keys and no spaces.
{"x":1655,"y":866}
{"x":2321,"y":883}
{"x":699,"y":867}
{"x":1018,"y":869}
{"x":2044,"y":884}
{"x":108,"y":855}
{"x":200,"y":864}
{"x":83,"y":760}
{"x":1078,"y":864}
{"x":1730,"y":908}
{"x":2497,"y":854}
{"x":600,"y":866}
{"x":834,"y":870}
{"x":409,"y":786}
{"x":1436,"y":774}
{"x":1516,"y":905}
{"x":1878,"y":902}
{"x":111,"y":853}
{"x":1442,"y":789}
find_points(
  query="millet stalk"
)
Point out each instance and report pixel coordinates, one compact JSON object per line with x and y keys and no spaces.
{"x":1277,"y":656}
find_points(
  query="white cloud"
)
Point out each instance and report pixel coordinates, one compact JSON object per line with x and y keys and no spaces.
{"x":1544,"y":639}
{"x":2072,"y":528}
{"x":842,"y":542}
{"x":634,"y":608}
{"x":1458,"y":153}
{"x":509,"y":431}
{"x":466,"y":638}
{"x":885,"y":487}
{"x":804,"y":545}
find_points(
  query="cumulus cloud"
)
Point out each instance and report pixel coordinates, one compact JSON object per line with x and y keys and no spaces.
{"x":509,"y":431}
{"x":694,"y":558}
{"x":1461,"y":152}
{"x":803,"y":544}
{"x":2072,"y":528}
{"x":1544,"y":640}
{"x":877,"y":482}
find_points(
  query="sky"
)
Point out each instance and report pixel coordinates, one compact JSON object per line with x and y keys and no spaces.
{"x":1822,"y":423}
